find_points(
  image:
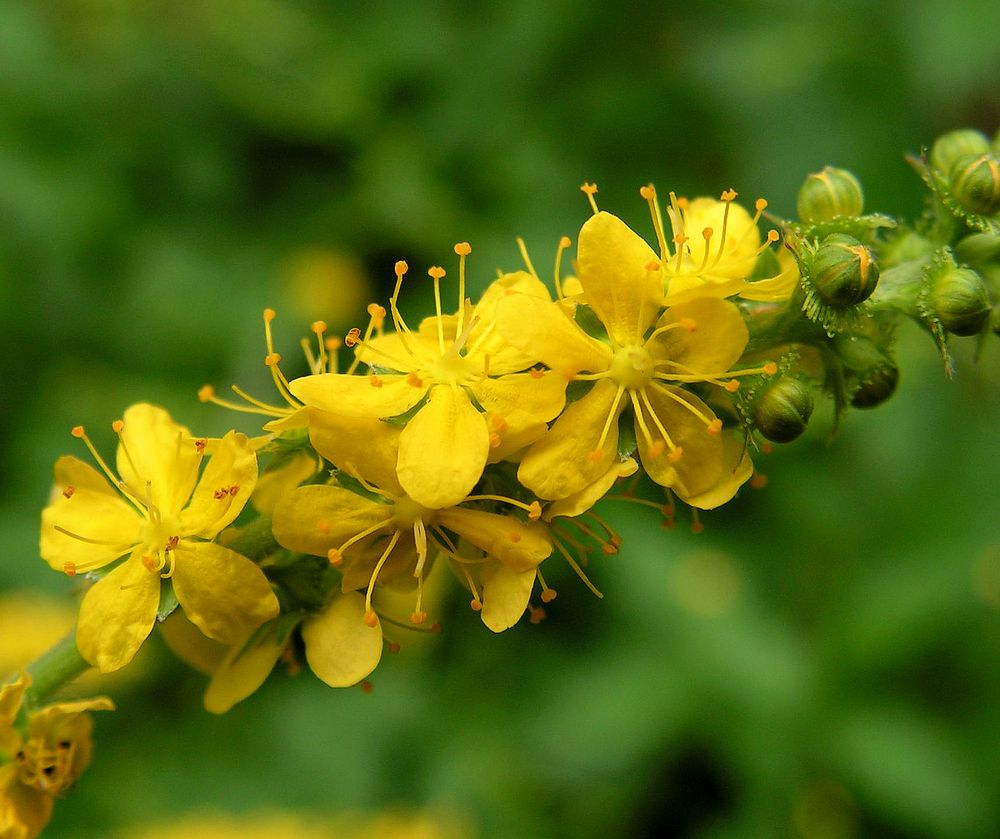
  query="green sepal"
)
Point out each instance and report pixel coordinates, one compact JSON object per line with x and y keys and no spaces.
{"x":588,"y":321}
{"x":168,"y":601}
{"x":406,"y":416}
{"x":940,"y":187}
{"x":627,"y":443}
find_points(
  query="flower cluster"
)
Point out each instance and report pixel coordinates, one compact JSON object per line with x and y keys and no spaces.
{"x":476,"y":443}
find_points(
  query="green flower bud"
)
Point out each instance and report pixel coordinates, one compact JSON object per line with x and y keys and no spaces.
{"x":961,"y":302}
{"x":949,"y":147}
{"x":829,"y":194}
{"x":844,"y":272}
{"x":784,"y":410}
{"x":876,"y":385}
{"x":975,"y":183}
{"x":978,"y":248}
{"x":995,"y":319}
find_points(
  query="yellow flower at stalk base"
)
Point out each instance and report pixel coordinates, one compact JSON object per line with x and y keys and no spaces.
{"x":474,"y":401}
{"x":162,"y":516}
{"x":47,"y":751}
{"x":649,"y":356}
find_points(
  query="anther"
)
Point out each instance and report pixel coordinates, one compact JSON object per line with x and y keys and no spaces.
{"x":272,"y":359}
{"x":352,"y":337}
{"x":418,"y":618}
{"x":269,"y":315}
{"x":333,"y":343}
{"x":652,"y":265}
{"x":69,"y":569}
{"x":200,"y":445}
{"x":595,"y":455}
{"x":463,"y":248}
{"x":715,"y":426}
{"x":657,"y":448}
{"x":149,"y":563}
{"x":323,"y":526}
{"x":773,"y":236}
{"x":588,"y":189}
{"x":172,"y":543}
{"x":206,"y":393}
{"x":376,"y":311}
{"x":335,"y":557}
{"x":758,"y":481}
{"x":535,"y":511}
{"x":371,"y":618}
{"x":680,"y":240}
{"x":609,"y":549}
{"x":234,"y":490}
{"x":647,"y":192}
{"x":393,"y":646}
{"x":728,"y":195}
{"x":366,"y":686}
{"x":498,"y":422}
{"x":495,"y":440}
{"x":675,"y":456}
{"x":514,"y":536}
{"x":760,"y":205}
{"x":117,"y":426}
{"x":219,"y":494}
{"x":732,"y":385}
{"x":319,"y":327}
{"x":436,"y":271}
{"x":78,"y":431}
{"x":690,"y":324}
{"x":548,"y":595}
{"x":68,"y":492}
{"x":536,"y":372}
{"x":414,"y":380}
{"x":374,"y":380}
{"x":770,"y":368}
{"x":476,"y":604}
{"x":565,"y":242}
{"x":537,"y":614}
{"x":707,"y":233}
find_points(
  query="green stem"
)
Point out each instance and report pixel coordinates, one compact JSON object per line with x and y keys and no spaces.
{"x":53,"y":669}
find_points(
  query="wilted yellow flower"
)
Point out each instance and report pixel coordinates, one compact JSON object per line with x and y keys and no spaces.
{"x":46,"y":754}
{"x":162,"y":517}
{"x":474,"y":402}
{"x":646,"y":359}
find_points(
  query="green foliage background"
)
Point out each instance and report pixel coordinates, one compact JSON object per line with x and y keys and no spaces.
{"x":821,"y":662}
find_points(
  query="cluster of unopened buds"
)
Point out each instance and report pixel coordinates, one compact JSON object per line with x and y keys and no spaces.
{"x":479,"y":440}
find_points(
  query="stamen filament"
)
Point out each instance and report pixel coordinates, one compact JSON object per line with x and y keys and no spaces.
{"x":564,"y":243}
{"x":612,"y":416}
{"x":684,"y":403}
{"x":649,"y":193}
{"x":437,"y":274}
{"x":79,"y":432}
{"x":527,"y":259}
{"x":577,"y":569}
{"x":368,"y":531}
{"x":378,"y":568}
{"x":463,"y":249}
{"x":533,"y":509}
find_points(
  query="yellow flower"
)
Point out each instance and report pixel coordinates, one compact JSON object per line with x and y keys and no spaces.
{"x":646,"y":359}
{"x":716,"y":246}
{"x":162,"y":518}
{"x":474,"y":402}
{"x":46,"y":756}
{"x":390,"y":538}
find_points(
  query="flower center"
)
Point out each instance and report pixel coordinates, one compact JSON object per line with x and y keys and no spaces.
{"x":451,"y":369}
{"x":632,"y":367}
{"x":406,"y":513}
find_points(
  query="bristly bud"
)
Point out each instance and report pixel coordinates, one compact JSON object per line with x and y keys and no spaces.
{"x":961,"y":302}
{"x":949,"y":147}
{"x":844,"y":272}
{"x":829,"y":194}
{"x":975,"y":182}
{"x":784,"y":410}
{"x":876,"y":385}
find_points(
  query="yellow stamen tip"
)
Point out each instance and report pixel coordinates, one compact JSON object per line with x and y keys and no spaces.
{"x":77,"y":431}
{"x":548,"y":595}
{"x":595,"y":455}
{"x":535,"y":511}
{"x":200,"y":445}
{"x":436,"y":271}
{"x":514,"y":536}
{"x":773,"y":236}
{"x":673,"y":457}
{"x":68,"y":492}
{"x":537,"y":615}
{"x":657,"y":448}
{"x":418,"y":618}
{"x":117,"y":426}
{"x":205,"y":393}
{"x":652,"y":265}
{"x":401,"y":268}
{"x":589,"y":189}
{"x":732,"y":385}
{"x":648,"y":192}
{"x":758,"y":481}
{"x":335,"y":557}
{"x":333,"y":343}
{"x":690,"y":324}
{"x":371,"y":618}
{"x":495,"y":440}
{"x":608,"y":549}
{"x":707,"y":233}
{"x":69,"y":569}
{"x":680,"y":240}
{"x":476,"y":604}
{"x":697,"y":527}
{"x":393,"y":646}
{"x":463,"y":248}
{"x":352,"y":337}
{"x":374,"y":380}
{"x":770,"y":368}
{"x":269,"y":315}
{"x":715,"y":426}
{"x":272,"y":359}
{"x":565,"y":242}
{"x":319,"y":327}
{"x":728,"y":195}
{"x":760,"y":205}
{"x":375,"y":310}
{"x":535,"y":373}
{"x":323,"y":526}
{"x":414,"y":380}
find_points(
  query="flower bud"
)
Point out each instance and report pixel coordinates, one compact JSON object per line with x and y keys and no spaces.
{"x":949,"y":147}
{"x":978,"y":248}
{"x":975,"y":183}
{"x":876,"y":385}
{"x":844,"y":272}
{"x":784,"y":410}
{"x":829,"y":194}
{"x":960,"y":300}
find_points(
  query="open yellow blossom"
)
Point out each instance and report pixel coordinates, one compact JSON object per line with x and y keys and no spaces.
{"x":475,"y":400}
{"x":715,"y":248}
{"x":160,"y":515}
{"x":643,"y":365}
{"x":391,"y":539}
{"x":47,"y":753}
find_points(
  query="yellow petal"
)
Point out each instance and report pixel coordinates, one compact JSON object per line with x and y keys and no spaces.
{"x":11,"y":696}
{"x":518,"y":406}
{"x":401,"y":353}
{"x":224,"y":488}
{"x":358,"y":396}
{"x":582,"y":501}
{"x":313,"y":519}
{"x":773,"y":289}
{"x":360,"y":445}
{"x":700,"y":463}
{"x":24,"y":810}
{"x":117,"y":614}
{"x":543,"y":331}
{"x":506,"y":592}
{"x":73,"y":472}
{"x":485,"y":339}
{"x":613,"y":267}
{"x":222,"y":592}
{"x":107,"y":527}
{"x":190,"y":644}
{"x":521,"y":545}
{"x":710,"y":349}
{"x":559,"y":464}
{"x":737,"y":468}
{"x":281,"y":478}
{"x":340,"y":647}
{"x":242,"y":671}
{"x":53,"y":716}
{"x":443,"y":449}
{"x":156,"y":450}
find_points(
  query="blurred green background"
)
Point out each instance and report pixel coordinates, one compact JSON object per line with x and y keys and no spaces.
{"x":822,"y":662}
